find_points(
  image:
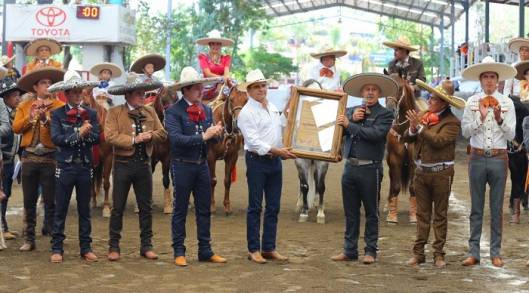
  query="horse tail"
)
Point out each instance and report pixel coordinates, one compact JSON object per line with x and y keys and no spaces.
{"x":311,"y":195}
{"x":405,"y":172}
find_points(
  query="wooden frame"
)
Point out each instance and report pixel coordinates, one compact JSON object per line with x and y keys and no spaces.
{"x":316,"y":125}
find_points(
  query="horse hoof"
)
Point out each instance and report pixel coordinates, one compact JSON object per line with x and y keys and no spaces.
{"x":320,"y":220}
{"x":303,"y":218}
{"x":228,"y":213}
{"x":106,"y":212}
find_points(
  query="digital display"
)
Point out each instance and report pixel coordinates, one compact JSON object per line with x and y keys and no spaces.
{"x":88,"y":12}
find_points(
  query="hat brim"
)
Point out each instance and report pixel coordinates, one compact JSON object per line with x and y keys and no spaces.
{"x":204,"y":81}
{"x":353,"y":86}
{"x":516,"y":43}
{"x":399,"y":45}
{"x":27,"y":81}
{"x":521,"y":67}
{"x":31,"y":48}
{"x":503,"y":70}
{"x":243,"y":87}
{"x":113,"y":68}
{"x":123,"y":89}
{"x":452,"y":100}
{"x":337,"y":54}
{"x":157,"y":60}
{"x":11,"y":89}
{"x":224,"y":42}
{"x":62,"y":86}
{"x":9,"y":59}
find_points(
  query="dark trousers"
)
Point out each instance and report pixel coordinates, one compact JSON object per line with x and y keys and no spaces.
{"x":187,"y":178}
{"x":265,"y":177}
{"x":518,"y":170}
{"x":361,"y":186}
{"x":139,"y":175}
{"x":35,"y":175}
{"x":7,"y":181}
{"x":67,"y":177}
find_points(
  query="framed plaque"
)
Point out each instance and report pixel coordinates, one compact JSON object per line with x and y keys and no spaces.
{"x":311,"y":130}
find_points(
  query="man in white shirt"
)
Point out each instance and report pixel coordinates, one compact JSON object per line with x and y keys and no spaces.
{"x":261,"y":128}
{"x":518,"y":46}
{"x":489,"y":121}
{"x":325,"y":71}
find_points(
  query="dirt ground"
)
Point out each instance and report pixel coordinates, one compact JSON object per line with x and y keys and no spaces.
{"x":309,"y":246}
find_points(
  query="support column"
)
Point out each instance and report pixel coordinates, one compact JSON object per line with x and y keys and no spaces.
{"x":487,"y":21}
{"x":168,"y":40}
{"x":442,"y":47}
{"x":522,"y":19}
{"x":466,"y":7}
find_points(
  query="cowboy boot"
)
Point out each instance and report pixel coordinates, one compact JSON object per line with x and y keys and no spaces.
{"x":392,"y":210}
{"x":413,"y":210}
{"x":515,"y":214}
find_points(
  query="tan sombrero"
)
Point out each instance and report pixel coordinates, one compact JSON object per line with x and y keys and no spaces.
{"x":329,"y":52}
{"x":516,"y":43}
{"x":504,"y":71}
{"x":521,"y":68}
{"x":6,"y":59}
{"x":402,"y":43}
{"x":72,"y":80}
{"x":155,"y":59}
{"x":190,"y":76}
{"x":113,"y":68}
{"x":31,"y":47}
{"x":214,"y":36}
{"x":27,"y":81}
{"x":353,"y":85}
{"x":445,"y":91}
{"x":134,"y":82}
{"x":254,"y":76}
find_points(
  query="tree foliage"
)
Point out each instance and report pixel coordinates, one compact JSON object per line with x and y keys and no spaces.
{"x":273,"y":65}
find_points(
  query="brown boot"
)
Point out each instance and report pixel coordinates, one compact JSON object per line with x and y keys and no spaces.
{"x":415,"y":261}
{"x":439,"y":262}
{"x":413,"y":210}
{"x":392,"y":210}
{"x":515,"y":215}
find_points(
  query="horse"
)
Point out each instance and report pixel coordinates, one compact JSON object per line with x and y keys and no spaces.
{"x":399,"y":155}
{"x":226,"y":107}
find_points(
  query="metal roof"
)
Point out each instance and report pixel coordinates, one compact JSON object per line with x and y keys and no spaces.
{"x":427,"y":12}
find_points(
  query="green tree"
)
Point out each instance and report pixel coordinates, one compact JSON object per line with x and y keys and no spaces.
{"x":273,"y":65}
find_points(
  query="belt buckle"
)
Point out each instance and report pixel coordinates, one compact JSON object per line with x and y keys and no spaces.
{"x":77,"y":161}
{"x":353,"y":161}
{"x":487,"y":153}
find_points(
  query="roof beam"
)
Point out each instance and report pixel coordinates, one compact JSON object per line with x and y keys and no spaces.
{"x":388,"y":14}
{"x":286,"y":6}
{"x":270,"y":6}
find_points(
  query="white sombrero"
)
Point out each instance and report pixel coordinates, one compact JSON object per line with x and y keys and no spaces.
{"x":134,"y":82}
{"x":254,"y":76}
{"x":516,"y":43}
{"x":113,"y":68}
{"x":155,"y":59}
{"x":190,"y":76}
{"x":353,"y":85}
{"x":214,"y":36}
{"x":329,"y":52}
{"x":488,"y":64}
{"x":444,"y":91}
{"x":402,"y":43}
{"x":32,"y":47}
{"x":72,"y":80}
{"x":27,"y":81}
{"x":6,"y":59}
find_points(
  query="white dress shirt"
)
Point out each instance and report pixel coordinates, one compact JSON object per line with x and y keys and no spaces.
{"x":488,"y":134}
{"x":512,"y":86}
{"x":261,"y":127}
{"x":326,"y":82}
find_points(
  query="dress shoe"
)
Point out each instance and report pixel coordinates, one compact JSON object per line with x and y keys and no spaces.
{"x":256,"y":257}
{"x":10,"y":235}
{"x":56,"y":258}
{"x":274,"y":255}
{"x":89,"y":257}
{"x":342,"y":257}
{"x":497,"y":262}
{"x":113,"y":256}
{"x":368,"y":259}
{"x":150,"y":255}
{"x":180,"y":261}
{"x":470,"y":261}
{"x":439,"y":262}
{"x":415,"y":261}
{"x":216,"y":259}
{"x":27,"y":246}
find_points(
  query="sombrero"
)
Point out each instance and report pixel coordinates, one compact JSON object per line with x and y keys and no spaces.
{"x":214,"y":36}
{"x":155,"y":59}
{"x":8,"y":85}
{"x":3,"y":72}
{"x":329,"y":52}
{"x":445,"y":91}
{"x":190,"y":76}
{"x":488,"y":64}
{"x":521,"y":68}
{"x":516,"y":43}
{"x":72,"y":80}
{"x":31,"y":47}
{"x":134,"y":82}
{"x":27,"y":81}
{"x":402,"y":43}
{"x":252,"y":77}
{"x":113,"y":68}
{"x":353,"y":85}
{"x":6,"y":59}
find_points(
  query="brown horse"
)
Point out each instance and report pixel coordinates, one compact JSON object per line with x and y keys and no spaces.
{"x":226,"y":108}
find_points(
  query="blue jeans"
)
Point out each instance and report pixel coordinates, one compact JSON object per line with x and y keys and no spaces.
{"x":187,"y":178}
{"x":7,"y":181}
{"x":264,"y":176}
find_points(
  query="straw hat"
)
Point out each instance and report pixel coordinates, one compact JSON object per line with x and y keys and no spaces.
{"x":214,"y":36}
{"x":32,"y":47}
{"x":329,"y":52}
{"x":155,"y":59}
{"x":72,"y":80}
{"x":516,"y":43}
{"x":254,"y":76}
{"x":353,"y":85}
{"x":5,"y":59}
{"x":190,"y":76}
{"x":27,"y":81}
{"x":488,"y":64}
{"x":445,"y":91}
{"x":402,"y":43}
{"x":134,"y":82}
{"x":113,"y":68}
{"x":8,"y":85}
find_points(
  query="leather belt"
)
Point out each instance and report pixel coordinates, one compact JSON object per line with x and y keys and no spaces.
{"x":359,"y":162}
{"x":199,"y":162}
{"x":257,"y":156}
{"x":434,"y":169}
{"x":123,"y":159}
{"x":488,"y":153}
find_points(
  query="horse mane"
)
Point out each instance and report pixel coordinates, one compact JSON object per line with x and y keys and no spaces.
{"x":100,"y":110}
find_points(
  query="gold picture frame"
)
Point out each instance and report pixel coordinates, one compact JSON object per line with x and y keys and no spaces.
{"x":311,"y":130}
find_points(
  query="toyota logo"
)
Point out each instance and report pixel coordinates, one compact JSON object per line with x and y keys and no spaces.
{"x":50,"y":16}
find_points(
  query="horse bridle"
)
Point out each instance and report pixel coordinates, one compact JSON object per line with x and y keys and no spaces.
{"x":231,"y":111}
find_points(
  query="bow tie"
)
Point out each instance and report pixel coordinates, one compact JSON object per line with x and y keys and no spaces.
{"x":196,"y":113}
{"x":326,"y":72}
{"x":136,"y":114}
{"x":103,"y":84}
{"x":489,"y":101}
{"x":430,"y":119}
{"x":74,"y":114}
